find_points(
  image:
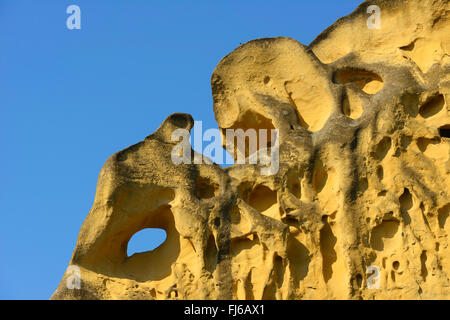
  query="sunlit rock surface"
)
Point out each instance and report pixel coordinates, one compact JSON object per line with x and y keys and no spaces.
{"x":363,"y":180}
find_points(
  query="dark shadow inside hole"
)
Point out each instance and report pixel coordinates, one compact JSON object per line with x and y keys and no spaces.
{"x":444,"y":131}
{"x":432,"y":106}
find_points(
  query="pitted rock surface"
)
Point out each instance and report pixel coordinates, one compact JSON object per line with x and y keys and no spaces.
{"x":364,"y":147}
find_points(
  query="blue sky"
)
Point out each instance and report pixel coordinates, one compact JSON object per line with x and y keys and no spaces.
{"x":71,"y":98}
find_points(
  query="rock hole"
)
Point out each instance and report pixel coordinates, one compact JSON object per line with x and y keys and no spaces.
{"x":206,"y":189}
{"x":363,"y":184}
{"x":424,"y":270}
{"x":359,"y":280}
{"x":234,"y":290}
{"x":432,"y":106}
{"x":405,"y":141}
{"x":147,"y":239}
{"x":409,"y":47}
{"x":367,"y":81}
{"x":424,"y":216}
{"x":422,"y":143}
{"x":211,"y":254}
{"x":320,"y":176}
{"x":293,"y":183}
{"x":155,"y":264}
{"x":411,"y":103}
{"x":444,"y":131}
{"x":243,"y":244}
{"x":249,"y":120}
{"x":299,"y":259}
{"x":173,"y":294}
{"x":395,"y":265}
{"x":262,"y":198}
{"x":406,"y":200}
{"x":382,"y":193}
{"x":382,"y":148}
{"x":235,"y":216}
{"x":380,"y":173}
{"x":279,"y":270}
{"x":406,"y":203}
{"x":387,"y":229}
{"x":443,"y":215}
{"x":249,"y":287}
{"x":346,"y":106}
{"x":329,"y":256}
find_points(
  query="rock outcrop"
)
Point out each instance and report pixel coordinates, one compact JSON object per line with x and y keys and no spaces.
{"x":362,"y":187}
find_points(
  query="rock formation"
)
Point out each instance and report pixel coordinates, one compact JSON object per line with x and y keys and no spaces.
{"x":361,"y":193}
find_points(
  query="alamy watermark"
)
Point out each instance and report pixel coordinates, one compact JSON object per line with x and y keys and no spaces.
{"x":373,"y":281}
{"x":73,"y":280}
{"x":252,"y":147}
{"x":374,"y":21}
{"x":74,"y":20}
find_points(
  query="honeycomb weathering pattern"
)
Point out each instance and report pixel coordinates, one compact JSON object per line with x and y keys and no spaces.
{"x":364,"y":120}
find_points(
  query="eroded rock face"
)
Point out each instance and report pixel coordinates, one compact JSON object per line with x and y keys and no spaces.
{"x":364,"y":119}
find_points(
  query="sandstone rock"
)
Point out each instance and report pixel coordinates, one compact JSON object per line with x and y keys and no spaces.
{"x":364,"y":145}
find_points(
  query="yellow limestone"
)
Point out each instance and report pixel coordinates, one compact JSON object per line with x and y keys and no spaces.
{"x":359,"y":208}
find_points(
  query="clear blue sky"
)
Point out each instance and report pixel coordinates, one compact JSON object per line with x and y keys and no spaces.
{"x":71,"y":98}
